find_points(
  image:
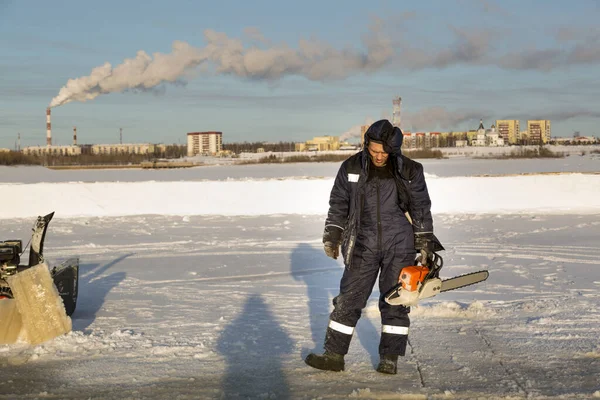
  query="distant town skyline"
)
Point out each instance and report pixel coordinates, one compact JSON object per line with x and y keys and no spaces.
{"x":289,"y":72}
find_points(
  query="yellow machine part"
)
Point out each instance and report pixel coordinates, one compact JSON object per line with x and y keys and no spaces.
{"x":42,"y":312}
{"x":10,"y":321}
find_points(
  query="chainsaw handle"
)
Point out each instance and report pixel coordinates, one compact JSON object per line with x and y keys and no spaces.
{"x":435,"y":264}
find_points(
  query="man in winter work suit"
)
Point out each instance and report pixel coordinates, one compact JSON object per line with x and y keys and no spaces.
{"x":376,"y":194}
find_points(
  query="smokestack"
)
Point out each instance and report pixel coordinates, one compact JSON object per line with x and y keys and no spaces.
{"x":74,"y":136}
{"x":48,"y":128}
{"x":397,"y":111}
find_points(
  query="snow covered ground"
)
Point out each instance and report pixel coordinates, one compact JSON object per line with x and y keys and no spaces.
{"x":217,"y":286}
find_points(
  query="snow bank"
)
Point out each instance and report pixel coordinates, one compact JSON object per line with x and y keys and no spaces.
{"x":558,"y":194}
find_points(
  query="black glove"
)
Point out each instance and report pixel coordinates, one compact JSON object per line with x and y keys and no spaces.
{"x":426,"y":244}
{"x":332,"y":238}
{"x":423,"y":242}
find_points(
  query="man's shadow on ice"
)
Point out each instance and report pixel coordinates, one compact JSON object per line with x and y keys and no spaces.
{"x":93,"y":289}
{"x":321,"y":276}
{"x":252,"y":345}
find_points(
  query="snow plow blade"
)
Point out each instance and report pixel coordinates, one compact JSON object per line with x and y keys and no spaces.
{"x":66,"y":280}
{"x":41,"y":308}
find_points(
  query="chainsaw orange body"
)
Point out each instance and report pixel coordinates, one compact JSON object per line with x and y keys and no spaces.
{"x":412,"y":277}
{"x":414,"y":283}
{"x":417,"y":282}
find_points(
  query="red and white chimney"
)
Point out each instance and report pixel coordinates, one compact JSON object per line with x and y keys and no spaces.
{"x":74,"y":136}
{"x":48,"y":128}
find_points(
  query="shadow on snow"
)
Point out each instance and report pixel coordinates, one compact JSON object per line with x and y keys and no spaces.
{"x":253,"y":345}
{"x":93,"y":289}
{"x":321,"y":288}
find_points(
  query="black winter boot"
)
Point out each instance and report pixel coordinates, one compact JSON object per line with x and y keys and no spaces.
{"x":388,"y":364}
{"x":328,"y":361}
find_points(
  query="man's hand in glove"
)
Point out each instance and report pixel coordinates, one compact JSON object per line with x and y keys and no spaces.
{"x":426,"y":244}
{"x":425,"y":257}
{"x":332,"y":250}
{"x":332,"y":238}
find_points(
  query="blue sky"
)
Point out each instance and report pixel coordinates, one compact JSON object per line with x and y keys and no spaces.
{"x":288,"y":71}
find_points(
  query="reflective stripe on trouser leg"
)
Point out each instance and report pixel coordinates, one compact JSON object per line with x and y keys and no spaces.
{"x":393,"y":340}
{"x":395,"y":330}
{"x":394,"y":319}
{"x":338,"y":337}
{"x":356,"y":286}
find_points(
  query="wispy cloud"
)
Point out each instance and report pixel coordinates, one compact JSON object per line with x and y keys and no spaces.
{"x":433,"y":118}
{"x":490,"y":7}
{"x":441,"y":118}
{"x":479,"y":47}
{"x":559,"y":115}
{"x":584,"y":52}
{"x":254,"y":34}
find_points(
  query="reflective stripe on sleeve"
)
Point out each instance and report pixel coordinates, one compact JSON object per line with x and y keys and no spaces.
{"x":394,"y":330}
{"x":336,"y":326}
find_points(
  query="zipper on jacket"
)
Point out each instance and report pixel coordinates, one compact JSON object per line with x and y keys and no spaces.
{"x":352,"y":230}
{"x":379,"y":234}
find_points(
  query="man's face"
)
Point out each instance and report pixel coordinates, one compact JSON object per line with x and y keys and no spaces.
{"x":378,"y":156}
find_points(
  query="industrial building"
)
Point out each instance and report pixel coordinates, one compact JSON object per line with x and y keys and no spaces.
{"x":49,"y":149}
{"x":52,"y":150}
{"x":319,"y":143}
{"x":129,"y":148}
{"x":75,"y":149}
{"x":204,"y":143}
{"x":96,"y":149}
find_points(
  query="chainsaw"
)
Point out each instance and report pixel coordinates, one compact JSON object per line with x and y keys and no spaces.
{"x":422,"y":281}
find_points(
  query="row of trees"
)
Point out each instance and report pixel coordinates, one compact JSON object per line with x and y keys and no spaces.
{"x":86,"y":158}
{"x":172,"y":151}
{"x":575,"y":142}
{"x":179,"y":151}
{"x":17,"y":158}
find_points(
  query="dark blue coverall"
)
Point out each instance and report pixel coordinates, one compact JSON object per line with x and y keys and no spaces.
{"x":367,"y":208}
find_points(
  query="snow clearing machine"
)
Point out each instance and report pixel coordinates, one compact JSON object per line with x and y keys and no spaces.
{"x":36,"y":301}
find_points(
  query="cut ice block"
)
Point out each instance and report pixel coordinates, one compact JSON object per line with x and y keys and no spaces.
{"x":38,"y":301}
{"x":10,"y":321}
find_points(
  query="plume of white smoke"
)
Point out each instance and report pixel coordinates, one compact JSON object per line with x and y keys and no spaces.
{"x":315,"y":60}
{"x":355,"y":131}
{"x":142,"y":72}
{"x":312,"y":59}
